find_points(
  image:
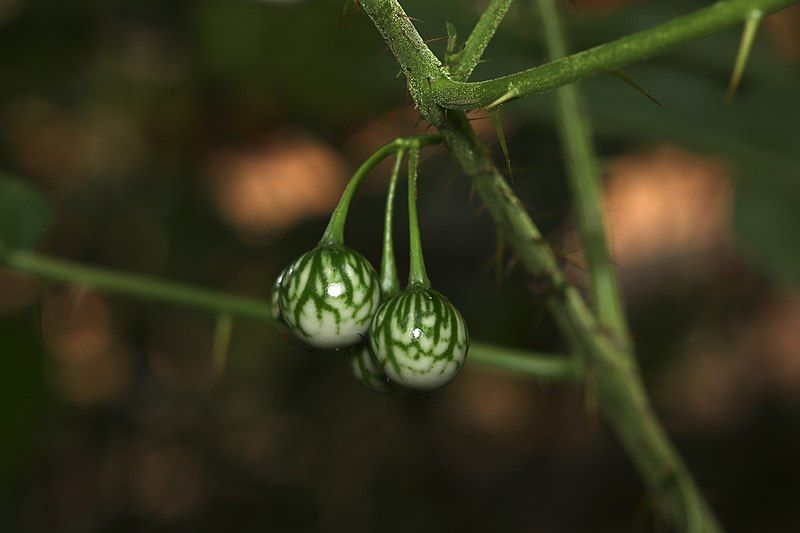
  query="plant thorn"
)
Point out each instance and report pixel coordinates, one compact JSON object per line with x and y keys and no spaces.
{"x":745,"y":46}
{"x":621,"y":74}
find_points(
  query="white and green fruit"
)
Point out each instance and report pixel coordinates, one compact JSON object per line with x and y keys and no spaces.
{"x":419,"y":339}
{"x":275,"y":297}
{"x":365,"y":370}
{"x":328,"y":297}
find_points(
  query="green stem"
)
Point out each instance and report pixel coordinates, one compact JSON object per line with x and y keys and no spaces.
{"x":417,"y":275}
{"x":390,"y":282}
{"x":334,"y":233}
{"x":135,"y":286}
{"x":603,"y":58}
{"x":479,"y":39}
{"x":585,"y":184}
{"x":544,"y":367}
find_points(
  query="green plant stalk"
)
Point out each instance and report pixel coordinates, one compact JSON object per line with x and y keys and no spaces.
{"x":467,"y":59}
{"x":585,"y":184}
{"x":144,"y":288}
{"x":620,"y":393}
{"x":417,"y":275}
{"x":226,"y":307}
{"x":390,"y":281}
{"x":606,"y":57}
{"x":334,"y":233}
{"x":543,"y":367}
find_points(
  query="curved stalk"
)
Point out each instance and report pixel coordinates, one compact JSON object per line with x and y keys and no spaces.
{"x":417,"y":275}
{"x":334,"y":233}
{"x":390,"y":281}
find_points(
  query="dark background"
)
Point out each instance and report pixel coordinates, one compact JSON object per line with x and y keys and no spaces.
{"x":207,"y":141}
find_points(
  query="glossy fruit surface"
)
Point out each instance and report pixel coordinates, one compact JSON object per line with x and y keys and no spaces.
{"x":275,"y":297}
{"x":328,"y":297}
{"x":367,"y":371}
{"x":419,"y":339}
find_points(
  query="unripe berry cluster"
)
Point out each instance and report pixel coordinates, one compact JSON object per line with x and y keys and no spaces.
{"x":332,"y":298}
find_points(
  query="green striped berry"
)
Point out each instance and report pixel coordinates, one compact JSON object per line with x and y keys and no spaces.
{"x":419,"y":339}
{"x":367,"y":371}
{"x":329,"y":295}
{"x":275,"y":297}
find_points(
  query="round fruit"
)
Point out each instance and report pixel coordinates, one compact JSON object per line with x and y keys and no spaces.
{"x":366,"y":371}
{"x":275,"y":297}
{"x":329,"y":295}
{"x":419,"y":339}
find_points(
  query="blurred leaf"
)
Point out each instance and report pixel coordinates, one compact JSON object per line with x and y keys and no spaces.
{"x":24,"y":213}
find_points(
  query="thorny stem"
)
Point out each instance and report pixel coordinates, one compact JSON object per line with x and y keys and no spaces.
{"x":227,"y":307}
{"x":417,"y":275}
{"x":390,"y":282}
{"x":620,"y":393}
{"x":334,"y":233}
{"x":585,"y":184}
{"x":607,"y":57}
{"x":478,"y":40}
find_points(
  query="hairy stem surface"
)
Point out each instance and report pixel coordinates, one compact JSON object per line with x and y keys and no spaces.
{"x":467,"y":59}
{"x":606,"y":57}
{"x":620,"y":393}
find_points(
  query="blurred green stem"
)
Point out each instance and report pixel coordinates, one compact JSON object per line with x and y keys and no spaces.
{"x":141,"y":287}
{"x":678,"y":499}
{"x":227,"y":307}
{"x":541,"y":366}
{"x":585,"y":184}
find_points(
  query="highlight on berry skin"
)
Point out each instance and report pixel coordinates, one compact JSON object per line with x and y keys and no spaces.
{"x":419,"y":339}
{"x":328,"y":297}
{"x":275,"y":297}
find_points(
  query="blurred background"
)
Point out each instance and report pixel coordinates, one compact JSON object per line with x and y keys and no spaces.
{"x":207,"y":141}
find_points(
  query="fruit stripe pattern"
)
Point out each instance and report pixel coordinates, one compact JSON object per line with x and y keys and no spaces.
{"x":329,"y":295}
{"x":367,"y":371}
{"x":420,"y":339}
{"x":275,"y":298}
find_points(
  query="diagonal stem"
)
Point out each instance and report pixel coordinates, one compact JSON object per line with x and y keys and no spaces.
{"x":539,"y":366}
{"x":620,"y":392}
{"x":467,"y":59}
{"x":585,"y":183}
{"x":603,"y":58}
